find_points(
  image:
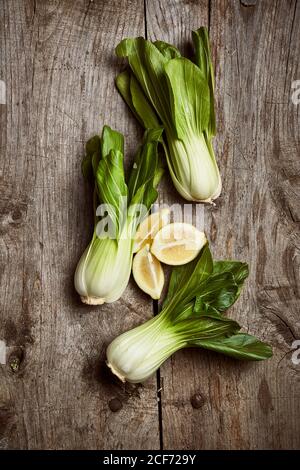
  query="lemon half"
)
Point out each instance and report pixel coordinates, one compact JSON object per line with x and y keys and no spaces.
{"x":148,"y":273}
{"x":178,"y":243}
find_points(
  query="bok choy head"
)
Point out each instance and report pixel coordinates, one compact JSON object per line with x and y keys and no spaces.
{"x":192,"y":316}
{"x":164,"y":88}
{"x":103,"y":271}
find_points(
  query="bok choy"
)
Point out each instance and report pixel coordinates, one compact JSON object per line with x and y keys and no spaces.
{"x":103,"y":271}
{"x":165,"y":89}
{"x":192,"y":316}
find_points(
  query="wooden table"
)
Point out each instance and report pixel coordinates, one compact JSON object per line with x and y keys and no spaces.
{"x":58,"y":64}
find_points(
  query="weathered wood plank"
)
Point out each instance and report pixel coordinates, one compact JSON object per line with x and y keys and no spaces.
{"x":57,"y":62}
{"x":255,"y":46}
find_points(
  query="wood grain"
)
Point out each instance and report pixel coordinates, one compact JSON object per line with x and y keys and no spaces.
{"x":243,"y":406}
{"x":58,"y":64}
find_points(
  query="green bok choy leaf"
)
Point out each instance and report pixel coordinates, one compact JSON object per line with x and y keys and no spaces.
{"x":192,"y":316}
{"x":103,"y":271}
{"x":165,"y":89}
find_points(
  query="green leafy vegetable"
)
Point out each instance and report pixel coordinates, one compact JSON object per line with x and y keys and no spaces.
{"x":165,"y":89}
{"x":103,"y":271}
{"x":239,"y":346}
{"x":192,"y":316}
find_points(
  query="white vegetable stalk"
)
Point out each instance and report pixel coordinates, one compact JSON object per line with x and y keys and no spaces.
{"x":103,"y":271}
{"x":135,"y":355}
{"x":193,"y":168}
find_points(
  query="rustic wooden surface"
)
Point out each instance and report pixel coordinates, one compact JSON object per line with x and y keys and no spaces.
{"x":58,"y":65}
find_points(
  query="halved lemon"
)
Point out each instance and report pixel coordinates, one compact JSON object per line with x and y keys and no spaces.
{"x":177,"y":243}
{"x":149,"y":228}
{"x":148,"y":273}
